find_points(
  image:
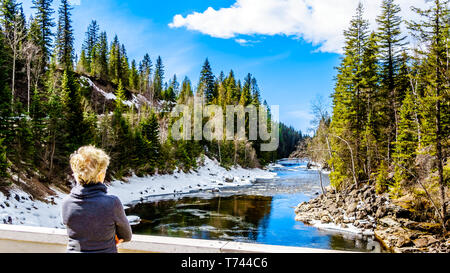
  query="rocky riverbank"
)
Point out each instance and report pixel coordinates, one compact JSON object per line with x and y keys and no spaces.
{"x":362,"y":211}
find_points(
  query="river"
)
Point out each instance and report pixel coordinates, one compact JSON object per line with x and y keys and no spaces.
{"x":262,"y":213}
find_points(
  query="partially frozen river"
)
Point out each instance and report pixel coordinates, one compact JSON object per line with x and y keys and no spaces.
{"x":262,"y":213}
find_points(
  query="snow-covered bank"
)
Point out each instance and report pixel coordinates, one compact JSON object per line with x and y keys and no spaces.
{"x":20,"y":209}
{"x":211,"y":176}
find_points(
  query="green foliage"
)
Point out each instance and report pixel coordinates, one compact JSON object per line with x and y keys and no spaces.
{"x":382,"y":183}
{"x":65,"y":37}
{"x":44,"y":22}
{"x":4,"y":164}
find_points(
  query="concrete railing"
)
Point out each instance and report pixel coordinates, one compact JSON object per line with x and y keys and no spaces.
{"x":24,"y":239}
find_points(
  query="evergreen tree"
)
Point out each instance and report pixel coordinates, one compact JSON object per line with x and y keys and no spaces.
{"x":246,"y":96}
{"x":391,"y":43}
{"x":65,"y":38}
{"x":8,"y":11}
{"x":145,"y":70}
{"x":124,"y":66}
{"x":186,"y":91}
{"x":150,"y":134}
{"x":256,"y":95}
{"x":206,"y":88}
{"x":90,"y":42}
{"x":407,"y":143}
{"x":433,"y":30}
{"x":348,"y":107}
{"x":5,"y":95}
{"x":100,"y":62}
{"x":158,"y":79}
{"x":115,"y":58}
{"x":134,"y":76}
{"x":83,"y":64}
{"x":45,"y":23}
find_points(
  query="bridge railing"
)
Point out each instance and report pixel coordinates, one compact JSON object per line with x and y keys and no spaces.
{"x":24,"y":239}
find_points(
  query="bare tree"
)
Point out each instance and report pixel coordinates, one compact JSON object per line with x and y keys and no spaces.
{"x":31,"y":52}
{"x":14,"y":36}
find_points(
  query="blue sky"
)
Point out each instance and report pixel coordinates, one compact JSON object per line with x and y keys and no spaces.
{"x":290,"y":46}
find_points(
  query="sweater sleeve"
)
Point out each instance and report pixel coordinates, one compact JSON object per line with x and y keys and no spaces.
{"x":123,"y":228}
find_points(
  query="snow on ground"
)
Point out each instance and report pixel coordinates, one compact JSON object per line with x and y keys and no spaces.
{"x":136,"y":101}
{"x":349,"y":229}
{"x":20,"y":209}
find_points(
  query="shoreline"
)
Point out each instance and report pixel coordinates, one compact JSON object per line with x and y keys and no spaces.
{"x":377,"y":217}
{"x":20,"y":208}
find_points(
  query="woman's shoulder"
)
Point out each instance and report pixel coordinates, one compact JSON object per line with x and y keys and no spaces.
{"x":114,"y":199}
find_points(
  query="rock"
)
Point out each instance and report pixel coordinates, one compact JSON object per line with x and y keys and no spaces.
{"x":381,"y":212}
{"x":325,"y":219}
{"x":389,"y":222}
{"x":425,"y":241}
{"x":351,"y":208}
{"x":229,"y":180}
{"x":361,"y":215}
{"x":421,"y":242}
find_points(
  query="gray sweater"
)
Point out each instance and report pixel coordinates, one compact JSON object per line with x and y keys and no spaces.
{"x":93,"y":218}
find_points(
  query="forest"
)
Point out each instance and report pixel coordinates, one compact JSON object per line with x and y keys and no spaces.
{"x":51,"y":103}
{"x":390,"y":120}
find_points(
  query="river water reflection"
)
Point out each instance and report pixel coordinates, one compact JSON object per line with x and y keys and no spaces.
{"x":263,"y":213}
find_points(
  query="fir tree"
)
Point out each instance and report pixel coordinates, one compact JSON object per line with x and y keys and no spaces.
{"x":134,"y":76}
{"x":158,"y":79}
{"x":45,"y":23}
{"x":433,"y":30}
{"x":348,"y":107}
{"x":391,"y":43}
{"x":90,"y":42}
{"x":206,"y":83}
{"x":145,"y":70}
{"x":65,"y":38}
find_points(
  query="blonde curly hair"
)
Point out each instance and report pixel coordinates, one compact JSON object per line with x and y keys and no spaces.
{"x":87,"y":163}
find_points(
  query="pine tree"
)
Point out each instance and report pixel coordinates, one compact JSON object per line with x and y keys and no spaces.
{"x":134,"y":76}
{"x":391,"y":43}
{"x":5,"y":95}
{"x":115,"y":58}
{"x":64,"y":37}
{"x":150,"y":134}
{"x":124,"y":66}
{"x":145,"y":70}
{"x":83,"y":64}
{"x":101,"y":57}
{"x":370,"y":79}
{"x":90,"y":42}
{"x":256,"y":94}
{"x":246,"y":96}
{"x":348,"y":107}
{"x":45,"y":23}
{"x":79,"y":131}
{"x":8,"y":11}
{"x":407,"y":143}
{"x":121,"y":150}
{"x":186,"y":91}
{"x":232,"y":93}
{"x":433,"y":30}
{"x":206,"y":83}
{"x":158,"y":79}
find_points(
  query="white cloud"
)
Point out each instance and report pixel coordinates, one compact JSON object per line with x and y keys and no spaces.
{"x":320,"y":22}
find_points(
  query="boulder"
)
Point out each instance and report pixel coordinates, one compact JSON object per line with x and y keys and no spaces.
{"x":388,"y":222}
{"x":351,"y":208}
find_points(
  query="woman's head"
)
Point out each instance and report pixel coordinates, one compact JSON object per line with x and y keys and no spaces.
{"x":89,"y":165}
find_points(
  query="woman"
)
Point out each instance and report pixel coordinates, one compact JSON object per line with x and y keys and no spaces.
{"x":96,"y":222}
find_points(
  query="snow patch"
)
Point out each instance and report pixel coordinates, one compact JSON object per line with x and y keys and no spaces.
{"x":20,"y":209}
